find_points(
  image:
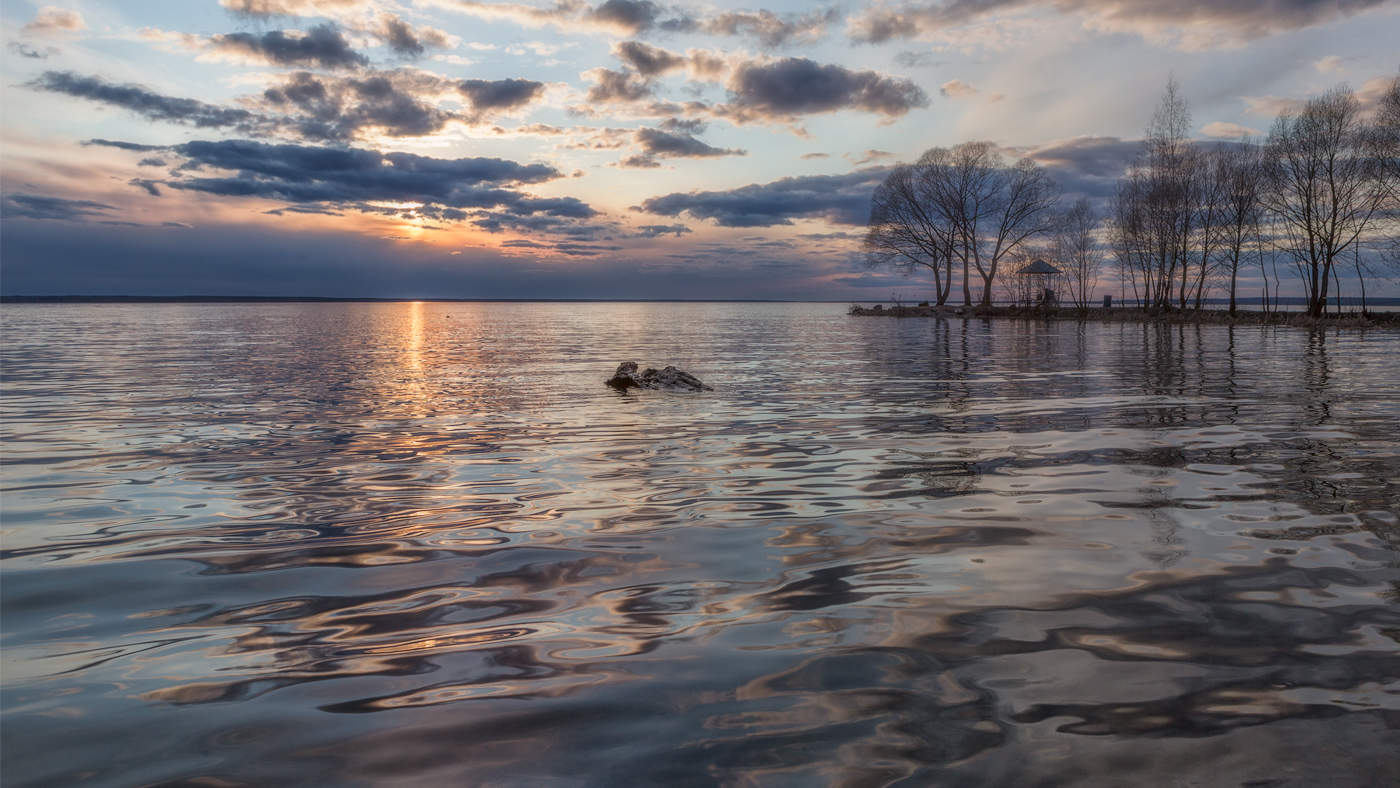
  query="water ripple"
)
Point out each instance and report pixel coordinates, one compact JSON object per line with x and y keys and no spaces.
{"x":422,"y":544}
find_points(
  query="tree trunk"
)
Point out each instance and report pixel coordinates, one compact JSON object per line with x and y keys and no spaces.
{"x":1234,"y":272}
{"x":967,"y":289}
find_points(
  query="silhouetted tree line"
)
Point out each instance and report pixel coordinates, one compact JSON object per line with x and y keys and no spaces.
{"x":1187,"y":217}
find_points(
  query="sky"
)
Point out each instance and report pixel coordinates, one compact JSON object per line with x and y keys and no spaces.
{"x":580,"y":149}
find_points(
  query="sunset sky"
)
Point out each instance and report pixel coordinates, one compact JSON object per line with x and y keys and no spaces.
{"x":571,"y":149}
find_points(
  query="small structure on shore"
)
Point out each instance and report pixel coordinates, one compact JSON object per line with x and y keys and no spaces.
{"x":1039,"y":284}
{"x":669,"y":378}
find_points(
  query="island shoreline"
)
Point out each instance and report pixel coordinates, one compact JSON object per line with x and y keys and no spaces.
{"x":1138,"y":315}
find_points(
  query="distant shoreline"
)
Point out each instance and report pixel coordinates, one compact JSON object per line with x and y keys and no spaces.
{"x":1138,"y":315}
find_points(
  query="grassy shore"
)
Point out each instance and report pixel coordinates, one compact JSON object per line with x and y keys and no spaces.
{"x":1135,"y":315}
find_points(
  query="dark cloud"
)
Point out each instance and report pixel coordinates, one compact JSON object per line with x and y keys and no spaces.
{"x":573,"y":249}
{"x":1212,"y":21}
{"x":398,"y":35}
{"x":655,"y":230}
{"x":24,"y":50}
{"x":144,"y":102}
{"x":797,"y":86}
{"x":37,"y":206}
{"x":404,"y":39}
{"x":500,"y":93}
{"x":151,"y":161}
{"x":535,"y":224}
{"x":310,"y":209}
{"x":1087,"y":166}
{"x":148,"y":185}
{"x":840,"y":199}
{"x":632,"y":16}
{"x":647,"y":60}
{"x":338,"y":108}
{"x":656,"y":142}
{"x":770,"y":29}
{"x":617,"y":86}
{"x":120,"y":145}
{"x":321,"y":46}
{"x":687,"y":125}
{"x":356,"y":178}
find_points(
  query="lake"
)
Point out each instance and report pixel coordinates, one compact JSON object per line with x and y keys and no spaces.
{"x":422,"y":544}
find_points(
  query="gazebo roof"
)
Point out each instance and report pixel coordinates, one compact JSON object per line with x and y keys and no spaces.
{"x":1039,"y":266}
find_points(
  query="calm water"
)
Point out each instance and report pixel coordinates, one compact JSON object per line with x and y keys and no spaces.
{"x":422,"y":544}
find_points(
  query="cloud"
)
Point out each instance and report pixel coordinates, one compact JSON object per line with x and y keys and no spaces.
{"x":628,"y":16}
{"x":321,"y":46}
{"x":665,"y":144}
{"x":144,"y":102}
{"x":560,"y":13}
{"x":120,"y":145}
{"x":870,"y":155}
{"x":321,"y":107}
{"x":1332,"y":64}
{"x":24,"y":50}
{"x":635,"y":17}
{"x":1087,"y":166}
{"x":52,"y":19}
{"x":957,"y":89}
{"x":647,"y":60}
{"x":404,"y":39}
{"x":839,"y":199}
{"x":1270,"y":106}
{"x":394,"y":183}
{"x":770,"y":29}
{"x":500,"y":94}
{"x":1224,"y":130}
{"x":783,"y":89}
{"x":37,"y":206}
{"x":655,"y":230}
{"x":808,"y":156}
{"x":1184,"y":24}
{"x":611,"y":87}
{"x":266,"y":8}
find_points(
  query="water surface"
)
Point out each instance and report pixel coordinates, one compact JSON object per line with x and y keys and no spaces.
{"x":421,"y":544}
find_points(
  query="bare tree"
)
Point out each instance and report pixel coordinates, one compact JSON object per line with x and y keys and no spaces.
{"x":966,"y":197}
{"x":961,"y":205}
{"x":1387,"y":140}
{"x":1236,"y":171}
{"x":1077,"y":248}
{"x":1322,"y":189}
{"x":1170,"y":169}
{"x":1155,"y":209}
{"x":1386,"y":146}
{"x":995,"y":209}
{"x":907,"y":230}
{"x":1022,"y":208}
{"x":1208,"y":195}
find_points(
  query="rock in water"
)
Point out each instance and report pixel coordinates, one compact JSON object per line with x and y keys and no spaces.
{"x":670,"y":379}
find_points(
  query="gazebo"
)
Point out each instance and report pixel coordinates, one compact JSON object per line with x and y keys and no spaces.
{"x":1040,"y":278}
